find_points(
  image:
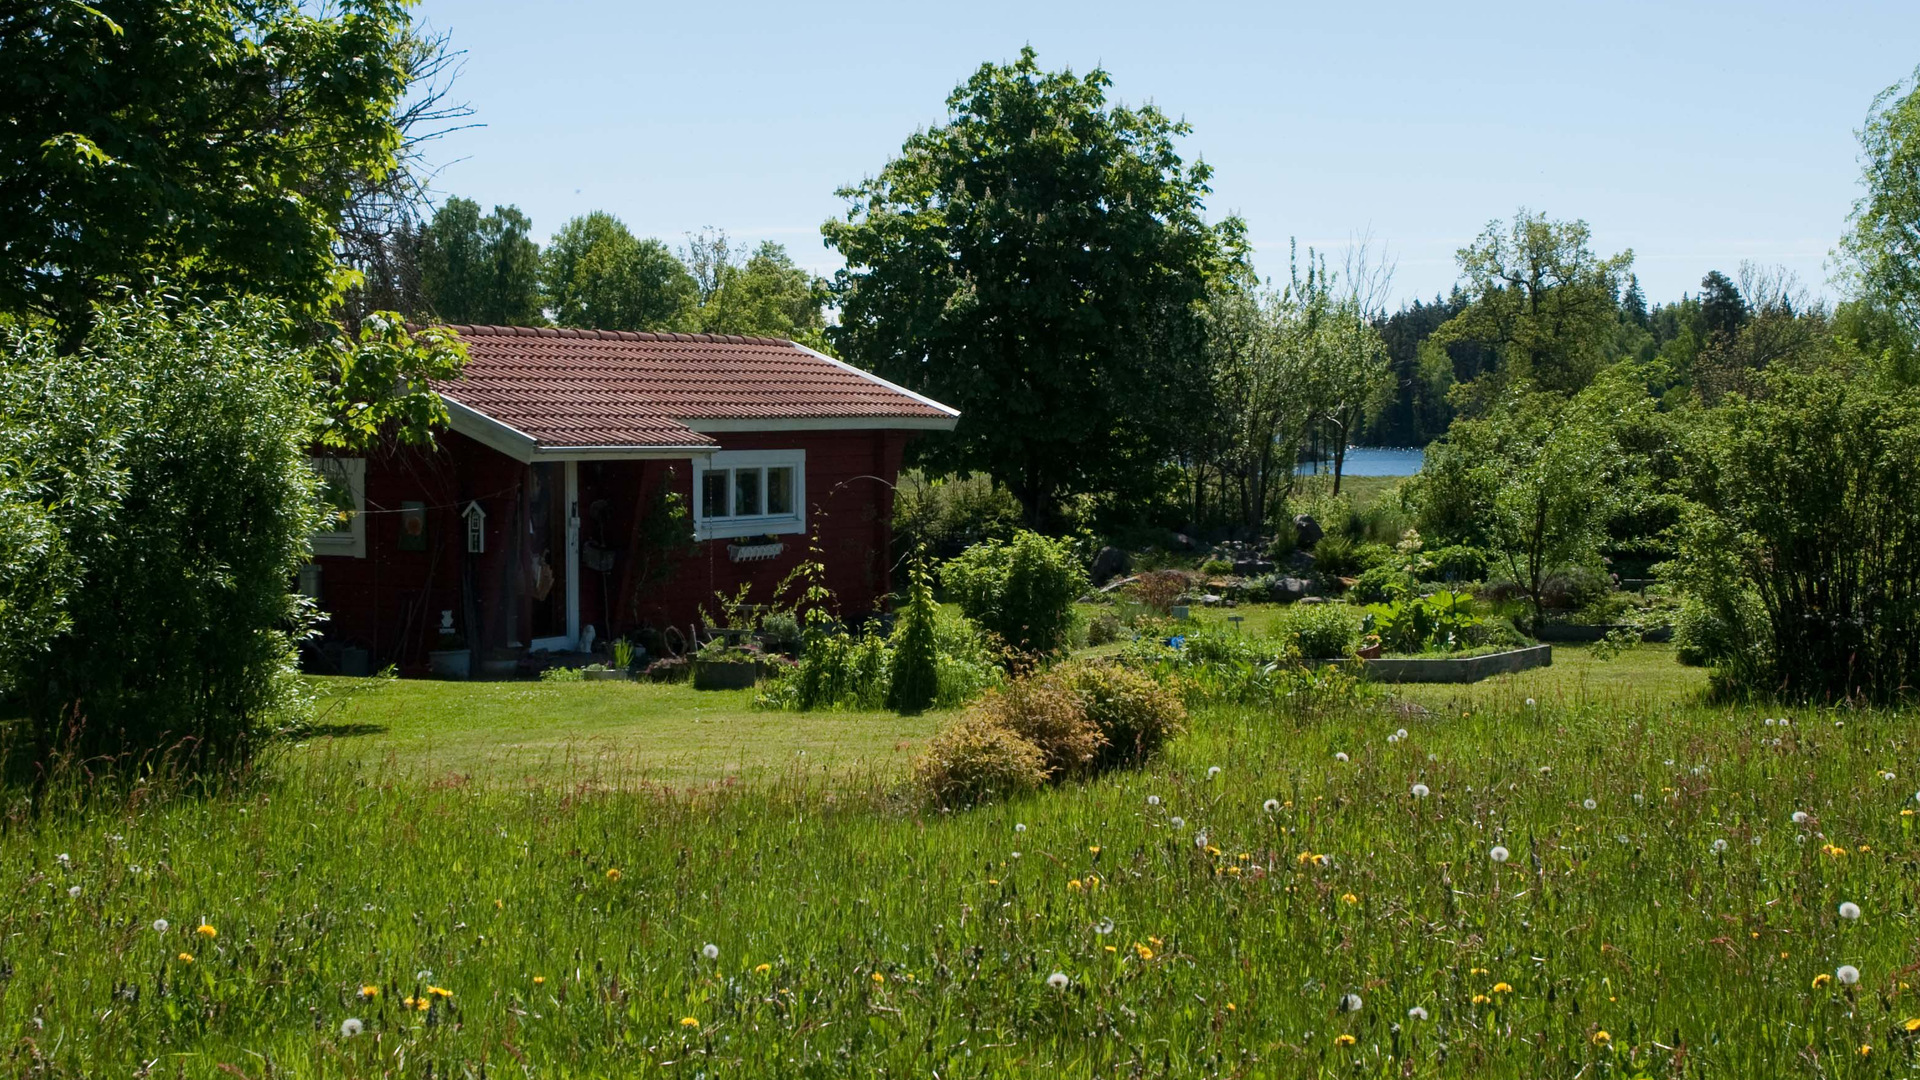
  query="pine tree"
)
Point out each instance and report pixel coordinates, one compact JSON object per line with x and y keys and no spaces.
{"x":916,"y":664}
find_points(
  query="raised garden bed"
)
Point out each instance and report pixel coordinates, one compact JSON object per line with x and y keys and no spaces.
{"x":1456,"y":669}
{"x":724,"y":675}
{"x":1574,"y":632}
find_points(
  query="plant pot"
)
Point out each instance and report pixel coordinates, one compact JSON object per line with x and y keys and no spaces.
{"x":450,"y":663}
{"x":1369,"y":652}
{"x":606,"y":676}
{"x":719,"y":675}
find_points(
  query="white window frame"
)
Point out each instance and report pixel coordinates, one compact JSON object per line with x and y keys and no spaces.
{"x":352,"y":541}
{"x":733,"y":527}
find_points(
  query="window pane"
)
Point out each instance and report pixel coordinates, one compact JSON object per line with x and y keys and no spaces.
{"x":780,"y":490}
{"x":713,"y":493}
{"x":746,"y":492}
{"x":337,"y":491}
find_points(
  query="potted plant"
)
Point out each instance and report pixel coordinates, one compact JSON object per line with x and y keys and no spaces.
{"x":720,"y":666}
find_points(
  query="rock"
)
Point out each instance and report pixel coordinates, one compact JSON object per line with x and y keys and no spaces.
{"x":1183,"y":541}
{"x":1286,"y":590}
{"x":1307,"y":532}
{"x":1210,"y":600}
{"x":1110,"y":562}
{"x":1253,"y":567}
{"x":1300,"y":562}
{"x":1313,"y":600}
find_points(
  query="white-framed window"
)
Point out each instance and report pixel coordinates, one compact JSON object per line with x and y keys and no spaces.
{"x":750,"y":493}
{"x":345,"y":530}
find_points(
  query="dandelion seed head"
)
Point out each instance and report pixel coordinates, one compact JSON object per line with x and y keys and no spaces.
{"x":1350,"y":1003}
{"x":1529,"y":703}
{"x":1402,"y":733}
{"x":1847,"y":974}
{"x":1272,"y":806}
{"x":710,"y":951}
{"x":1849,"y":910}
{"x":1590,"y":804}
{"x":1213,"y":771}
{"x":1420,"y":791}
{"x":1058,"y":980}
{"x":161,"y":926}
{"x":1103,"y":927}
{"x":73,"y":892}
{"x":1416,"y":1013}
{"x":1498,"y":854}
{"x":1178,"y":823}
{"x":1019,"y":826}
{"x":350,"y":1027}
{"x":1341,"y":756}
{"x":1719,"y":845}
{"x":1153,"y":800}
{"x":1799,"y":817}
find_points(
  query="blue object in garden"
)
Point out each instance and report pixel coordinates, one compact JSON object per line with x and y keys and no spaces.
{"x":1177,"y":641}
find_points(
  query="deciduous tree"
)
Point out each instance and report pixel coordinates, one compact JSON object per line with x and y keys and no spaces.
{"x":481,"y":269}
{"x":597,"y":275}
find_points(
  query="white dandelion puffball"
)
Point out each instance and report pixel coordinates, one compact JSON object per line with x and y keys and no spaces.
{"x":64,"y":859}
{"x":1272,"y":806}
{"x":1591,"y":805}
{"x":1179,"y":822}
{"x":160,"y":926}
{"x":1014,"y":854}
{"x":710,"y":951}
{"x":1391,"y":739}
{"x":1402,"y":733}
{"x":1433,"y":757}
{"x":1057,"y":980}
{"x":1529,"y":703}
{"x":1545,"y":770}
{"x":1153,"y":800}
{"x":1849,"y":910}
{"x":1341,"y":756}
{"x":1719,"y":845}
{"x":1847,"y":974}
{"x":350,"y":1027}
{"x":1019,"y":826}
{"x":1498,"y":854}
{"x":1420,"y":791}
{"x":1799,"y":838}
{"x":1199,"y":839}
{"x":1769,"y":721}
{"x":1350,"y":1003}
{"x":1639,"y":799}
{"x":1416,"y":1013}
{"x":73,"y":892}
{"x":1213,"y":771}
{"x":1784,"y":722}
{"x":1799,"y":817}
{"x":1103,"y":927}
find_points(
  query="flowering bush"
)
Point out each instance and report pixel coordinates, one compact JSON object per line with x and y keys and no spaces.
{"x":975,"y":759}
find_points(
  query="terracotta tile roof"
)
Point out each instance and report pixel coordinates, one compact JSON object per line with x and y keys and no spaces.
{"x":617,"y":388}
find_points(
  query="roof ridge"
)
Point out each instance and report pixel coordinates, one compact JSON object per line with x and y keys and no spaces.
{"x":485,"y":330}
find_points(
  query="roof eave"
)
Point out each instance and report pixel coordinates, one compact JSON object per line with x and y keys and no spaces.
{"x":721,"y":425}
{"x":524,"y":448}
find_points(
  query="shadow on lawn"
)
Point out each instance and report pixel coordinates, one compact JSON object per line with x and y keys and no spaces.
{"x":340,"y":731}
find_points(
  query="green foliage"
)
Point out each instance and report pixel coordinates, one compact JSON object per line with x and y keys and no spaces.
{"x":1880,"y":255}
{"x":946,"y":515}
{"x":1456,"y":563}
{"x":1808,"y":500}
{"x":158,"y":500}
{"x":764,"y":295}
{"x":1075,"y":379}
{"x":562,"y":675}
{"x":839,"y":670}
{"x":782,"y":632}
{"x":1047,"y":711}
{"x":1216,"y":567}
{"x":481,"y":270}
{"x":915,"y":679}
{"x":1319,"y":631}
{"x":1135,"y":715}
{"x":1103,"y":629}
{"x":1416,"y":624}
{"x":375,"y":384}
{"x":975,"y":760}
{"x":1336,"y":554}
{"x":1380,"y":584}
{"x":597,"y":275}
{"x":1022,"y":591}
{"x":215,"y":145}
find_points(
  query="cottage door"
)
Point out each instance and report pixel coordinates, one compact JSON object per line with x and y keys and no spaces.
{"x":549,"y":569}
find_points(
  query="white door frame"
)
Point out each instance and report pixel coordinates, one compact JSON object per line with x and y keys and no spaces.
{"x":571,"y":493}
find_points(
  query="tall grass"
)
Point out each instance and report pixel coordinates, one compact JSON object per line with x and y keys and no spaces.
{"x":1200,"y":932}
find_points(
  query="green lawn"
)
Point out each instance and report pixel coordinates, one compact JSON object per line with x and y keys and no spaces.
{"x":602,"y":733}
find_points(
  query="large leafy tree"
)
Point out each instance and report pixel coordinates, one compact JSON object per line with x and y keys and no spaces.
{"x":764,"y":294}
{"x":1880,"y":255}
{"x":1039,"y":261}
{"x":598,"y":275}
{"x":1541,"y":300}
{"x":481,"y":269}
{"x":213,"y":143}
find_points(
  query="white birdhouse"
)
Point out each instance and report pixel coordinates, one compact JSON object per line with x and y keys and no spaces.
{"x":476,"y":528}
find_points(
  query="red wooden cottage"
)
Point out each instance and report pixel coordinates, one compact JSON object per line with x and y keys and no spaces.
{"x":527,"y":527}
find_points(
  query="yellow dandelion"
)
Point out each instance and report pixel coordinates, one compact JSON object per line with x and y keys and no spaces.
{"x":1479,"y":971}
{"x":762,"y":969}
{"x":1233,"y":871}
{"x":369,"y":992}
{"x":499,"y":905}
{"x":1350,"y":899}
{"x":439,"y":991}
{"x":1075,"y":885}
{"x":1343,"y":1040}
{"x":420,"y":1004}
{"x":207,"y":931}
{"x":1865,"y":1050}
{"x":1601,"y":1038}
{"x":1863,"y":850}
{"x":186,"y":958}
{"x":539,"y":980}
{"x":1834,"y":850}
{"x":1481,"y":999}
{"x":1142,"y":951}
{"x":1214,"y":851}
{"x":993,"y":881}
{"x":688,"y":1021}
{"x":1912,"y":1025}
{"x":1094,"y":850}
{"x":1822,"y":981}
{"x":879,"y":978}
{"x":1112,"y":949}
{"x":1093,"y":881}
{"x":1319,"y":860}
{"x":1907,"y":812}
{"x":1243,"y":856}
{"x":1154,"y":941}
{"x":1502,"y":988}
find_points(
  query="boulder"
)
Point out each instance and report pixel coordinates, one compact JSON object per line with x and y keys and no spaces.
{"x":1300,"y":562}
{"x":1109,"y":563}
{"x":1286,"y":590}
{"x":1306,"y":530}
{"x":1253,"y":567}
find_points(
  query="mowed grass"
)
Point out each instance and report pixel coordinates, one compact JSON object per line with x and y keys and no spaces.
{"x":1205,"y":923}
{"x":596,"y":732}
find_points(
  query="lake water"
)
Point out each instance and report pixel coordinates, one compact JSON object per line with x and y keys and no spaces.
{"x":1374,"y":461}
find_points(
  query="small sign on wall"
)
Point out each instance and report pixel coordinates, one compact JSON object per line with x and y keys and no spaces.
{"x":476,"y":519}
{"x":413,"y":526}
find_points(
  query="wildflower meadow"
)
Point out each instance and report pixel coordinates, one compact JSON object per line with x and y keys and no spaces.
{"x":1553,"y":889}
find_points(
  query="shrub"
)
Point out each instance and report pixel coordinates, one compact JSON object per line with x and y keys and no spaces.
{"x":1046,"y":711}
{"x":156,"y":498}
{"x":1382,"y":584}
{"x":1286,"y":540}
{"x":1216,"y":567}
{"x":781,"y":632}
{"x":1335,"y":554}
{"x":1159,"y":590}
{"x":1417,"y":624}
{"x":1133,"y":712}
{"x":946,"y":515}
{"x":1385,"y":521}
{"x":914,"y":679}
{"x":1575,"y":587}
{"x":974,"y":760}
{"x":1103,"y":629}
{"x":1369,"y":555}
{"x":1022,"y":590}
{"x":1454,"y":563}
{"x":1321,"y":631}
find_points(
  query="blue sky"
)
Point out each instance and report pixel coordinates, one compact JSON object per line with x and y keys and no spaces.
{"x":1697,"y":134}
